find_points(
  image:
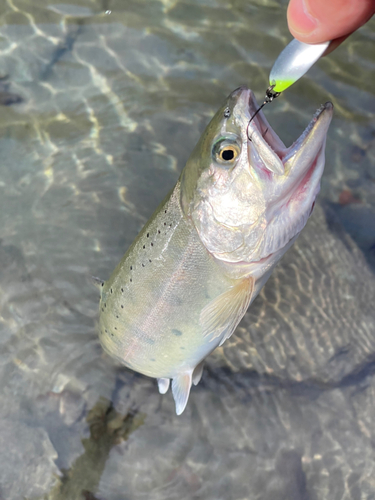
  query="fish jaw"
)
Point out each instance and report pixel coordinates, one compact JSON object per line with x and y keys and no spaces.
{"x":254,"y":208}
{"x":294,"y":193}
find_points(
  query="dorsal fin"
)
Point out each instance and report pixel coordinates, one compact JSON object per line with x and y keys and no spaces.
{"x":181,"y":389}
{"x":221,"y":316}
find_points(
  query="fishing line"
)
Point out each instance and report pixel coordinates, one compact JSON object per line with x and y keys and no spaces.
{"x":270,"y":96}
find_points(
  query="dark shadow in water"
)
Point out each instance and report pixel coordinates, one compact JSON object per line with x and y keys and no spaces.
{"x":64,"y":47}
{"x":107,"y":428}
{"x":358,"y":221}
{"x":245,"y":381}
{"x":292,"y":477}
{"x":7,"y":98}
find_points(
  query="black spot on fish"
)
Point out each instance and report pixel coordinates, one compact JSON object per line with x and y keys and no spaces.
{"x":103,"y":309}
{"x":165,"y":211}
{"x":144,"y":246}
{"x":115,"y":328}
{"x":131,"y":281}
{"x":122,"y":290}
{"x":103,"y":283}
{"x":165,"y":223}
{"x":176,"y":332}
{"x":117,"y":317}
{"x":170,"y":225}
{"x":149,"y":260}
{"x":152,"y":244}
{"x":122,"y":307}
{"x":105,"y":331}
{"x":105,"y":305}
{"x":111,"y":290}
{"x":131,"y":268}
{"x":148,"y":234}
{"x":112,"y":334}
{"x":143,"y":265}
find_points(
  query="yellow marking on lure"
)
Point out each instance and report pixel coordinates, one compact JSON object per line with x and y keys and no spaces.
{"x":293,"y":62}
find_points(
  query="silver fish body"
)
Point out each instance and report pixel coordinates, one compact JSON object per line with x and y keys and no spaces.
{"x":189,"y":277}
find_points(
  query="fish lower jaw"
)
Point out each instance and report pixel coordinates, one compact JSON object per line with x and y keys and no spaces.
{"x":277,"y":240}
{"x":291,"y":215}
{"x":279,"y":236}
{"x":284,"y":229}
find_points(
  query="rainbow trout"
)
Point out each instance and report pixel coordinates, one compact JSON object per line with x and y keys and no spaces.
{"x":190,"y":275}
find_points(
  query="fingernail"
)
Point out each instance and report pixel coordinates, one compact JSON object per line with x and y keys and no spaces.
{"x":300,"y":17}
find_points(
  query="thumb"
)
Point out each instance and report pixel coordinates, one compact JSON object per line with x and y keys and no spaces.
{"x":316,"y":21}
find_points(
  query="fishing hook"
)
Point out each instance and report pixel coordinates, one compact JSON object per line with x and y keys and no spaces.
{"x":270,"y":96}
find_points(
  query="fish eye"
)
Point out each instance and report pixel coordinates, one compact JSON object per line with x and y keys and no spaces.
{"x":226,"y":152}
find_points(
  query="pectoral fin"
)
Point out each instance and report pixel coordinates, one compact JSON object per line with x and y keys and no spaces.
{"x":181,"y":389}
{"x":197,"y":373}
{"x":163,"y":385}
{"x":221,"y":316}
{"x":96,"y":282}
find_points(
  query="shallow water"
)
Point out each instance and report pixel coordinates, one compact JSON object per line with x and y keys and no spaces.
{"x":99,"y":112}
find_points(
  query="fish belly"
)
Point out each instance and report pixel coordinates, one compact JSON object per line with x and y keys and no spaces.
{"x":150,"y":309}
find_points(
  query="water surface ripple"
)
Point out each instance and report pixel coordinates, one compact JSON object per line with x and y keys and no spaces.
{"x":101,"y":104}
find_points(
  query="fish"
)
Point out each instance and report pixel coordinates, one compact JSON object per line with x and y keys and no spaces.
{"x":199,"y":262}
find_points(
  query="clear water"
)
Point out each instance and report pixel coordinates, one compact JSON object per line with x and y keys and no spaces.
{"x":99,"y":112}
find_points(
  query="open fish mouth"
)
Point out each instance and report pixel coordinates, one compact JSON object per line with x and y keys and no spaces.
{"x":289,"y":175}
{"x":270,"y":147}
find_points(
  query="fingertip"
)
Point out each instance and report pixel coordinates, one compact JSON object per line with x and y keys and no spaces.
{"x":316,"y":21}
{"x":301,"y":23}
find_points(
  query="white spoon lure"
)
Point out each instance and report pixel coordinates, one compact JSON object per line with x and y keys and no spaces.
{"x":293,"y":62}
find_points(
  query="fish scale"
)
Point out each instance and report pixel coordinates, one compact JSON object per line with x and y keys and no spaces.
{"x":181,"y":275}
